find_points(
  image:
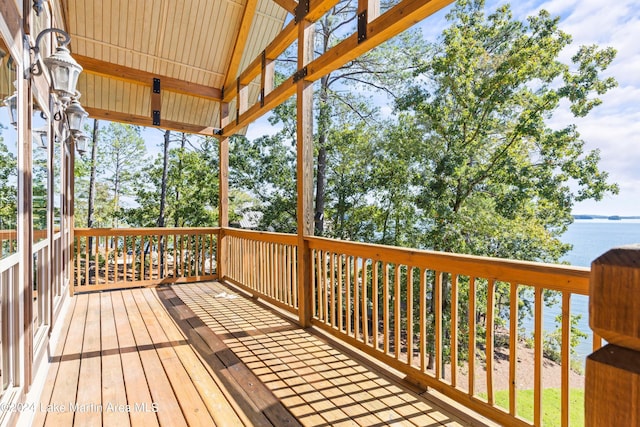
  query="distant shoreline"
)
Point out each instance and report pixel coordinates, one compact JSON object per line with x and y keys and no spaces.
{"x":608,"y":217}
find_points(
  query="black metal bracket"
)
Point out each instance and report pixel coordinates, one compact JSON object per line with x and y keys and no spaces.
{"x":263,"y":58}
{"x":217,"y":131}
{"x":301,"y":10}
{"x":156,"y":117}
{"x":362,"y":26}
{"x":300,"y":74}
{"x":262,"y":97}
{"x":156,"y":85}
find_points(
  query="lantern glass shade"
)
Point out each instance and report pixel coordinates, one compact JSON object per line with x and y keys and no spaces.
{"x":12,"y":104}
{"x":81,"y":143}
{"x":43,"y":135}
{"x":64,"y":72}
{"x":75,"y":116}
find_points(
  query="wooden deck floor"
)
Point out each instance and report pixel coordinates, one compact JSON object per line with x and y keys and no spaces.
{"x":203,"y":355}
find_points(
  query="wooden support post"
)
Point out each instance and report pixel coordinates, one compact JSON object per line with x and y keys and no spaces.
{"x":304,"y":172}
{"x":612,"y":384}
{"x":25,"y":221}
{"x":69,"y":197}
{"x":223,"y":215}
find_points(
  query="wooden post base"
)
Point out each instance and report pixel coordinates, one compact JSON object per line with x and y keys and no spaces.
{"x":612,"y":388}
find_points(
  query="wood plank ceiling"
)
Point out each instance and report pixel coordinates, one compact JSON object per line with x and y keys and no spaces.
{"x":194,"y":47}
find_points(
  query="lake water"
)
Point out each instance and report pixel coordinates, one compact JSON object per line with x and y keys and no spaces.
{"x":590,"y":239}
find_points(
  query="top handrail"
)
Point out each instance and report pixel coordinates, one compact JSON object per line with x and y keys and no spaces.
{"x":152,"y":231}
{"x":550,"y":276}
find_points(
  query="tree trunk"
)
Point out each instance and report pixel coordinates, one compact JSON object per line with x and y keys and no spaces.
{"x":92,"y":181}
{"x":163,"y":198}
{"x":176,"y":219}
{"x":165,"y":172}
{"x":321,"y":177}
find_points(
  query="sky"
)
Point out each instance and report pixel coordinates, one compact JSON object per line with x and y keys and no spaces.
{"x":614,"y":126}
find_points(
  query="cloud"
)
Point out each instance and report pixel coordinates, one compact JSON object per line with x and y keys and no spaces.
{"x":614,"y":126}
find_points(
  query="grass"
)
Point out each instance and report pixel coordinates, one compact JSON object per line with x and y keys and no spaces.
{"x":550,"y":405}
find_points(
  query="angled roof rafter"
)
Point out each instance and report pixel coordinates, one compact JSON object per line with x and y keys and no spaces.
{"x":288,"y":5}
{"x":241,"y":41}
{"x":387,"y":25}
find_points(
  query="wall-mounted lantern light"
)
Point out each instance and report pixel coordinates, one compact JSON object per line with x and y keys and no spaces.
{"x":43,"y":136}
{"x":81,"y":143}
{"x":12,"y":105}
{"x":63,"y":71}
{"x":75,"y":116}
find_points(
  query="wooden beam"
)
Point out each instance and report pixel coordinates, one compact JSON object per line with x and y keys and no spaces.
{"x":12,"y":19}
{"x":280,"y":43}
{"x":115,"y":116}
{"x":241,"y":41}
{"x":395,"y":20}
{"x":24,"y":357}
{"x":288,"y":5}
{"x":127,"y":74}
{"x":223,"y":207}
{"x":304,"y":172}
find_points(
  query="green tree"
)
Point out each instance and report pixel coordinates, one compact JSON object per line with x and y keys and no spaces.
{"x":495,"y":178}
{"x":122,"y":150}
{"x":265,"y":168}
{"x":489,"y":175}
{"x":8,"y":189}
{"x":191,"y":186}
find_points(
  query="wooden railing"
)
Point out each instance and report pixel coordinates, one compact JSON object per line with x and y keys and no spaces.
{"x":447,"y":321}
{"x":127,"y":257}
{"x":9,"y":305}
{"x":263,"y":264}
{"x":8,"y":242}
{"x":434,"y":316}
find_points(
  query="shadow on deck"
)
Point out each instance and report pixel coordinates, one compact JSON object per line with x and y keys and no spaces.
{"x":204,"y":354}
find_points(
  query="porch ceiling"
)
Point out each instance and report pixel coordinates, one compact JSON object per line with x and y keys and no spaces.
{"x":195,"y":48}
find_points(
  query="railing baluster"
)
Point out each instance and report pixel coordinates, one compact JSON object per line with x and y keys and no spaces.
{"x":374,"y":308}
{"x":489,"y":338}
{"x":341,"y":312}
{"x":472,"y":335}
{"x":385,"y":309}
{"x":396,"y":310}
{"x":566,"y":356}
{"x":107,"y":247}
{"x":454,"y":329}
{"x":437,"y":297}
{"x":356,"y":297}
{"x":365,"y":314}
{"x":332,"y":284}
{"x":348,"y":292}
{"x":409,"y":315}
{"x":513,"y":347}
{"x":423,"y":320}
{"x":537,"y":349}
{"x":87,"y":278}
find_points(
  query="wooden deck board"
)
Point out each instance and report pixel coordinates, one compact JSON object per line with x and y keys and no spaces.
{"x":113,"y":387}
{"x":201,"y":354}
{"x":66,"y":383}
{"x":134,"y":375}
{"x":54,"y":365}
{"x":169,"y":412}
